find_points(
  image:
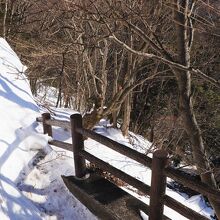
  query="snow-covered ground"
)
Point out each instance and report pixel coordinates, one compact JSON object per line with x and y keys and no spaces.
{"x":30,"y":170}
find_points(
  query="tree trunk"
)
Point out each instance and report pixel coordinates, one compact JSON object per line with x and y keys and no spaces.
{"x":33,"y":85}
{"x":115,"y":88}
{"x":5,"y":19}
{"x":126,"y":115}
{"x":67,"y":101}
{"x":91,"y":119}
{"x":185,"y":99}
{"x":194,"y":133}
{"x":128,"y":100}
{"x":59,"y":97}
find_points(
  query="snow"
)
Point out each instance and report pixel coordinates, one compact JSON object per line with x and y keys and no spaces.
{"x":30,"y":170}
{"x":17,"y":111}
{"x":21,"y":143}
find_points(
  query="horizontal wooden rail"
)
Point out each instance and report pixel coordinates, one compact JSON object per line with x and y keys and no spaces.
{"x":55,"y":122}
{"x":182,"y":209}
{"x":193,"y":184}
{"x":137,"y":156}
{"x":147,"y":161}
{"x":174,"y":174}
{"x":61,"y":144}
{"x":117,"y":173}
{"x":120,"y":148}
{"x":173,"y":204}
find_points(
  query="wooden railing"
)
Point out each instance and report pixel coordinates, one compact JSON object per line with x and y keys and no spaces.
{"x":158,"y":164}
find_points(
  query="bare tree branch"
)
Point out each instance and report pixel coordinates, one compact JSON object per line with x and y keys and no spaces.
{"x":166,"y":61}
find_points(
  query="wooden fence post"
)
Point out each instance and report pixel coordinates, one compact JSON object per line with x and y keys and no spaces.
{"x":78,"y":145}
{"x":158,"y":185}
{"x":47,"y":128}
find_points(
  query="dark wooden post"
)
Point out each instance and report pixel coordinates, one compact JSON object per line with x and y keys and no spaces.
{"x":47,"y":128}
{"x":158,"y":185}
{"x":78,"y":145}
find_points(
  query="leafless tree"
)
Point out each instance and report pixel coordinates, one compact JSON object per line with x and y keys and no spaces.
{"x":182,"y":68}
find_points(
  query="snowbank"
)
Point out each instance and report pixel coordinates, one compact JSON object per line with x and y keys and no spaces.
{"x":30,"y":171}
{"x":17,"y":135}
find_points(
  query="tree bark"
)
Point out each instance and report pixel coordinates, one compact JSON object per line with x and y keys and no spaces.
{"x":5,"y":19}
{"x":185,"y":99}
{"x":91,"y":119}
{"x":126,"y":115}
{"x":115,"y":88}
{"x":129,"y":79}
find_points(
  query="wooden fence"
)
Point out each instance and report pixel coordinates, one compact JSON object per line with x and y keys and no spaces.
{"x":160,"y":170}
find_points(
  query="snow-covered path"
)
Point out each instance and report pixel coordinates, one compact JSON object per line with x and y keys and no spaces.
{"x":17,"y":112}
